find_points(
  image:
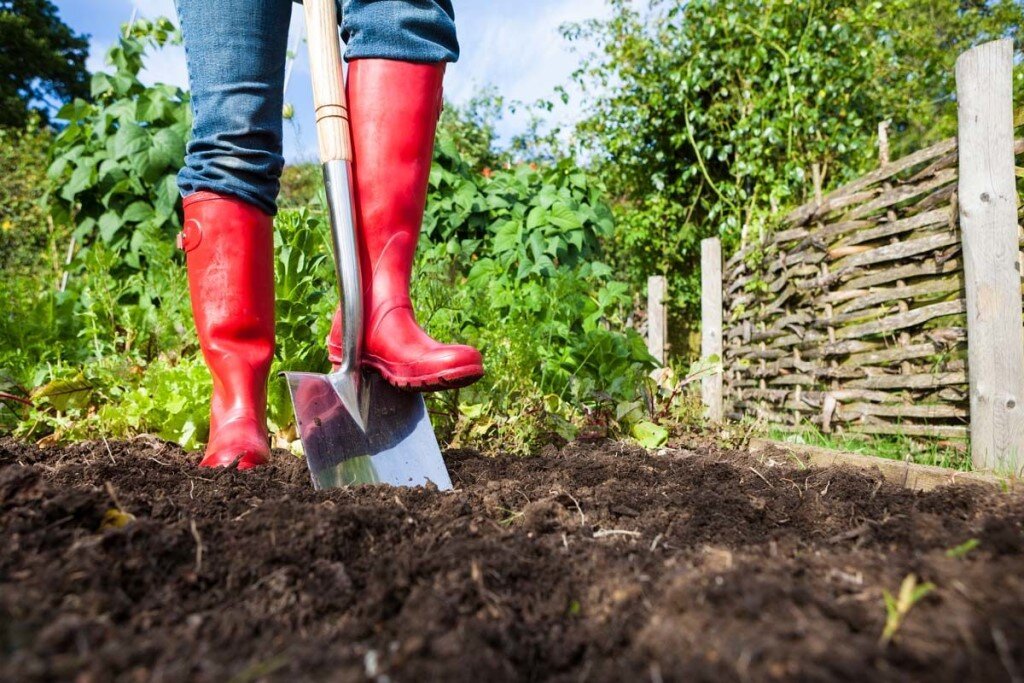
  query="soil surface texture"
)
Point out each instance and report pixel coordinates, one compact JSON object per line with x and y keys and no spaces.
{"x":597,"y":562}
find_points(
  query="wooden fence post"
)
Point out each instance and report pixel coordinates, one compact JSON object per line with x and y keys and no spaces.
{"x":657,"y":318}
{"x":988,"y":225}
{"x":711,"y":322}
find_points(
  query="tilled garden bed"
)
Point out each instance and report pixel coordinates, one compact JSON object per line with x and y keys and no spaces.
{"x":596,"y":562}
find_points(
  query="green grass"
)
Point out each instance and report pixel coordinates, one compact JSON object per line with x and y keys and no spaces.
{"x":892,"y":447}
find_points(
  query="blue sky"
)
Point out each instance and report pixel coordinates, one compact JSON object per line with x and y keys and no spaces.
{"x":514,"y":45}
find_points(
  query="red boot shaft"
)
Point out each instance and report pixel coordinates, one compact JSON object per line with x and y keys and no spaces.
{"x":229,"y":254}
{"x":394,"y":108}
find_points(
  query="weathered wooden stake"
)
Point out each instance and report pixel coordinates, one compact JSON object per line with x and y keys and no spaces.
{"x":817,"y":180}
{"x":988,"y":224}
{"x":883,"y":144}
{"x":711,"y":322}
{"x":657,"y":318}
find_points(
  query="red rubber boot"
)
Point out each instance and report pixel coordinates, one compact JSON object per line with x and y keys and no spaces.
{"x":229,"y":251}
{"x":394,"y":108}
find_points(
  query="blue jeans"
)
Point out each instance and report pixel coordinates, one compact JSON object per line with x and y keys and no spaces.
{"x":236,"y":50}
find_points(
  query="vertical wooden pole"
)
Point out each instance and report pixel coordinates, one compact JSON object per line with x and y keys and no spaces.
{"x":657,"y":317}
{"x":818,"y":181}
{"x":711,"y":322}
{"x":988,"y":225}
{"x":883,"y":143}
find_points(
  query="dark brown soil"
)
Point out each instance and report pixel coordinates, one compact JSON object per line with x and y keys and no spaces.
{"x":596,"y":562}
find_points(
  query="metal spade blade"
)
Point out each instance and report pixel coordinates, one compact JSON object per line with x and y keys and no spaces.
{"x":355,"y":427}
{"x":397,"y":446}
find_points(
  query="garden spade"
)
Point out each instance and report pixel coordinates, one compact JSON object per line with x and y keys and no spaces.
{"x":355,"y":427}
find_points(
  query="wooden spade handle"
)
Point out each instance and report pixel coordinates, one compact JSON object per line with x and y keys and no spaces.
{"x":332,"y":126}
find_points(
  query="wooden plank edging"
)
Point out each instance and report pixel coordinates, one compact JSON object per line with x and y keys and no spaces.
{"x":907,"y":474}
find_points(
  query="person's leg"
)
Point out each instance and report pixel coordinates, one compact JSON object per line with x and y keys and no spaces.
{"x":235,"y":51}
{"x":397,"y":51}
{"x":421,"y":31}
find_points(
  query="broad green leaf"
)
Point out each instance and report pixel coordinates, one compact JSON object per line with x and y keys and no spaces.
{"x":137,"y":211}
{"x":110,"y":223}
{"x":100,"y":85}
{"x":507,"y":237}
{"x":65,"y":394}
{"x":167,"y":196}
{"x":129,"y":141}
{"x":81,"y":178}
{"x":536,"y":218}
{"x":564,"y":217}
{"x":650,"y":435}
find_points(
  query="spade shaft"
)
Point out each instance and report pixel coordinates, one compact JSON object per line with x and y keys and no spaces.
{"x":347,"y":379}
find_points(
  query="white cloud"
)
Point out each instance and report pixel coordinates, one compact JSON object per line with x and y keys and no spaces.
{"x":166,"y":66}
{"x":522,"y":53}
{"x":97,"y":56}
{"x":155,"y":8}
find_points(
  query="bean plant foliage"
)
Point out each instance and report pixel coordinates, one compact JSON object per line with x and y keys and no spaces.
{"x":79,"y":338}
{"x":513,"y":264}
{"x":114,"y":164}
{"x":510,"y":260}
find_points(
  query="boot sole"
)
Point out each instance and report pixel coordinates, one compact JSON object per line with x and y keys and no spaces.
{"x":452,"y":378}
{"x":244,"y":459}
{"x":249,"y":447}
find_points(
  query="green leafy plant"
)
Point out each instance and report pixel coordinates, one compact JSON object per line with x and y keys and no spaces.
{"x":511,"y":263}
{"x":115,"y":397}
{"x":306,"y":297}
{"x":112,"y":324}
{"x":114,"y":164}
{"x":964,"y":549}
{"x":897,"y":608}
{"x":26,"y":235}
{"x":650,"y":435}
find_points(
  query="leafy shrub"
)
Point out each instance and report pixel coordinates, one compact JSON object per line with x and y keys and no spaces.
{"x":512,"y":265}
{"x":98,"y":330}
{"x":306,"y":300}
{"x":524,"y":284}
{"x":115,"y":162}
{"x":112,"y":175}
{"x":26,"y":234}
{"x":706,"y":116}
{"x":116,"y":397}
{"x":470,"y":129}
{"x":95,"y":366}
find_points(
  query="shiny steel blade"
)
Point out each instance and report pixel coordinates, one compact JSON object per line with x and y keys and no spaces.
{"x":397,"y":447}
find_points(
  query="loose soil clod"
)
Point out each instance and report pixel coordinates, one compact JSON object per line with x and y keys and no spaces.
{"x":598,"y":562}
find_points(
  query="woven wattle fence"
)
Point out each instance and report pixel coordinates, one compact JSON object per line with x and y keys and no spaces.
{"x":892,"y":305}
{"x":852,"y":316}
